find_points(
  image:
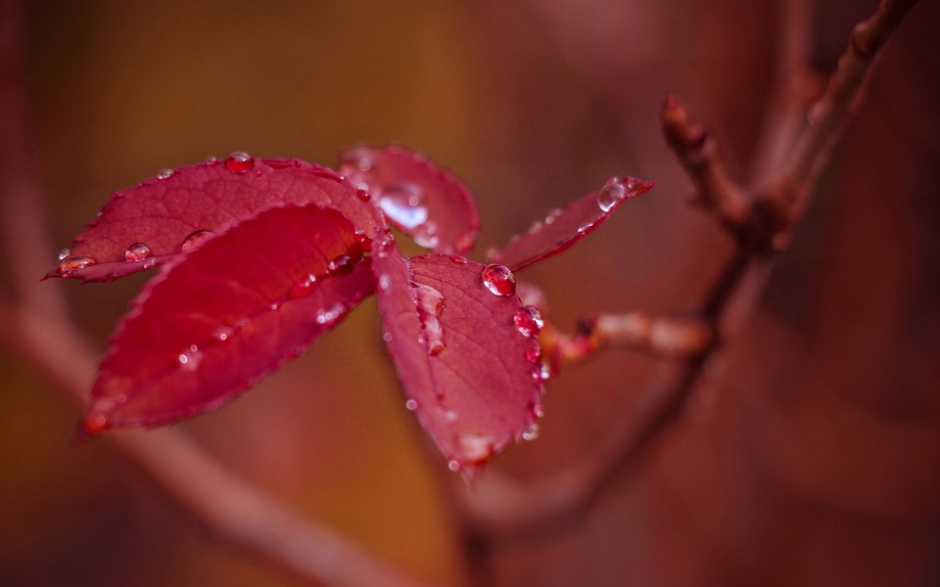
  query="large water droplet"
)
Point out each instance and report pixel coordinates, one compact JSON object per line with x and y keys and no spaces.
{"x":528,"y":320}
{"x":195,"y":239}
{"x":239,"y":162}
{"x":165,"y":173}
{"x":499,"y":280}
{"x":454,"y":465}
{"x":137,"y":252}
{"x":190,"y":358}
{"x":64,"y":253}
{"x":363,"y":195}
{"x":403,"y":204}
{"x":411,"y":405}
{"x":70,"y":264}
{"x":612,"y":193}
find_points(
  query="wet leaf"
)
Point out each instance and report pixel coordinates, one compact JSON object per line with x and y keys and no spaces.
{"x":224,"y":314}
{"x":154,"y":222}
{"x":566,"y":226}
{"x":468,"y":358}
{"x":418,"y":197}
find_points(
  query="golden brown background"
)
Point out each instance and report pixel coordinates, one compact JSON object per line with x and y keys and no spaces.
{"x":813,"y":459}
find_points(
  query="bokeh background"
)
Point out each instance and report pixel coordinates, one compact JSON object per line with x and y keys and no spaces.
{"x":811,"y":457}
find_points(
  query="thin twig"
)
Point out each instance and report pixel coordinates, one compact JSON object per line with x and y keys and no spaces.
{"x":37,"y":327}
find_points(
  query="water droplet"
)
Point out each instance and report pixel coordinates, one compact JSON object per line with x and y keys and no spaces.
{"x":165,"y":173}
{"x":303,"y":288}
{"x":365,"y":243}
{"x":430,"y":304}
{"x":96,"y":423}
{"x":221,"y":334}
{"x":195,"y":238}
{"x":382,"y":243}
{"x":64,"y":253}
{"x":454,"y":465}
{"x":528,"y":320}
{"x":537,"y":410}
{"x":403,"y":204}
{"x":239,"y":162}
{"x":534,"y":353}
{"x":411,"y":405}
{"x":426,"y":235}
{"x":363,"y":195}
{"x":450,"y":415}
{"x":70,"y":264}
{"x":385,"y":282}
{"x":552,"y":216}
{"x":499,"y":280}
{"x":532,"y":432}
{"x":458,"y":260}
{"x":327,"y":173}
{"x":612,"y":193}
{"x":541,"y":372}
{"x":355,"y":160}
{"x":585,"y":228}
{"x":137,"y":252}
{"x":340,"y":264}
{"x":536,"y":226}
{"x":476,"y":447}
{"x":387,"y":337}
{"x":328,"y":317}
{"x":190,"y":358}
{"x":465,"y":242}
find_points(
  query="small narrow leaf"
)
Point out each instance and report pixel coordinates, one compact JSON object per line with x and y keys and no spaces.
{"x":154,"y":222}
{"x":423,"y":200}
{"x":226,"y":313}
{"x":468,"y":358}
{"x":566,"y":226}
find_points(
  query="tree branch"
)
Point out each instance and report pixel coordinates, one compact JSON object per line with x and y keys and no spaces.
{"x":506,"y":510}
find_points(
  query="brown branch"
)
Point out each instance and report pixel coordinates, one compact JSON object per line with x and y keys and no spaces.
{"x":37,"y":327}
{"x":795,"y":87}
{"x":697,"y":151}
{"x":783,"y":203}
{"x":506,"y":510}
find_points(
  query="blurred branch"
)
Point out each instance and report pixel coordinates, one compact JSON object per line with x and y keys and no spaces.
{"x":37,"y":327}
{"x":697,"y":151}
{"x":760,"y":221}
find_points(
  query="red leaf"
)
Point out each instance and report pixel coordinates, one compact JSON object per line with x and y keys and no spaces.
{"x":562,"y":228}
{"x":225,"y":314}
{"x":423,"y":200}
{"x":468,"y":358}
{"x":150,"y":224}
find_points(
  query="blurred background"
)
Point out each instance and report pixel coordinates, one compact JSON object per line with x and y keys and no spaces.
{"x":812,"y":457}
